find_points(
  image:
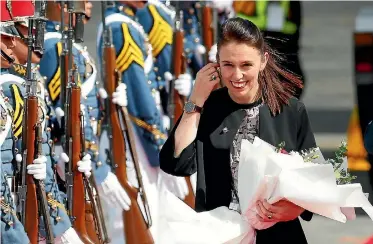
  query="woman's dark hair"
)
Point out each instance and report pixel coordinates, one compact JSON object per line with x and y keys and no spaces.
{"x":277,"y":84}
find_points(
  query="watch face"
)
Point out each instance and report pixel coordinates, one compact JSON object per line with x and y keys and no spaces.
{"x":189,"y":107}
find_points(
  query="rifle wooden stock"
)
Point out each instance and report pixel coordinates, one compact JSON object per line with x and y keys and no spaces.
{"x":208,"y":30}
{"x":135,"y":227}
{"x":31,"y":211}
{"x":90,"y":222}
{"x":94,"y":218}
{"x":179,"y":65}
{"x":179,"y":68}
{"x":78,"y":210}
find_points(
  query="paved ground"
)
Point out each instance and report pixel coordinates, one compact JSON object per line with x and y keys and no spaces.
{"x":327,"y":56}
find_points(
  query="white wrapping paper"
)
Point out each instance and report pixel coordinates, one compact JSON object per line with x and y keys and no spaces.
{"x":263,"y":174}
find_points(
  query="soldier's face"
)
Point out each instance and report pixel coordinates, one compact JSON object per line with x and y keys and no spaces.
{"x":7,"y":46}
{"x":21,"y":50}
{"x":88,"y":11}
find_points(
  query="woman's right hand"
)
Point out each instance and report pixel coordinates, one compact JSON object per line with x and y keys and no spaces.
{"x":205,"y":83}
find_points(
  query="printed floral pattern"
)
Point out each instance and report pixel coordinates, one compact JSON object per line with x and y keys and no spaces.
{"x":249,"y":128}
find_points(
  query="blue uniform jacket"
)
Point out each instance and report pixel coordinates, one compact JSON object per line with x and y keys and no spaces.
{"x":14,"y":91}
{"x":129,"y":40}
{"x":50,"y":69}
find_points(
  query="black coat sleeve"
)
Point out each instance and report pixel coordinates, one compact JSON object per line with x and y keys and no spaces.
{"x":185,"y":164}
{"x":305,"y":140}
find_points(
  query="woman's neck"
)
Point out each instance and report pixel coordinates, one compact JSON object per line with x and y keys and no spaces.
{"x":252,"y":96}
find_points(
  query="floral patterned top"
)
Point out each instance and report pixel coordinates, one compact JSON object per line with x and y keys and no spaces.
{"x":249,"y":128}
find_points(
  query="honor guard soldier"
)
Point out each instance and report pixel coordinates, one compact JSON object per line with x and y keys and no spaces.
{"x":50,"y":68}
{"x":133,"y":50}
{"x":61,"y":224}
{"x":12,"y":230}
{"x":157,"y":20}
{"x":131,"y":44}
{"x":192,"y":46}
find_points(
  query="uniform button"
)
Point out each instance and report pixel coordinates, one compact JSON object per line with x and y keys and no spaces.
{"x":149,"y":82}
{"x":196,"y":40}
{"x":16,"y":150}
{"x":159,"y":78}
{"x":157,"y":137}
{"x":49,"y":195}
{"x":155,"y":69}
{"x":99,"y":163}
{"x":160,"y":87}
{"x":58,"y":218}
{"x":90,"y":108}
{"x":96,"y":153}
{"x":154,"y":126}
{"x":187,"y":50}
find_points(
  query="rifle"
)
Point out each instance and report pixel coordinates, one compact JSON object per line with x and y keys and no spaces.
{"x":119,"y":128}
{"x":31,"y":192}
{"x":209,"y":30}
{"x":176,"y":101}
{"x":95,"y":221}
{"x":74,"y":179}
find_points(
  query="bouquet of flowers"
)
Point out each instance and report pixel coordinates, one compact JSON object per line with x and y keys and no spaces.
{"x":269,"y":173}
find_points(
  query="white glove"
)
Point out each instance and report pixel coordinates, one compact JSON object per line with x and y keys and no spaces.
{"x":38,"y":168}
{"x":59,"y":114}
{"x":176,"y":185}
{"x":112,"y":190}
{"x":183,"y":84}
{"x":200,"y":49}
{"x":82,"y":109}
{"x":166,"y":122}
{"x":102,"y":92}
{"x":212,"y":53}
{"x":63,"y":159}
{"x":85,"y":165}
{"x":70,"y":237}
{"x":120,"y":95}
{"x":168,"y":77}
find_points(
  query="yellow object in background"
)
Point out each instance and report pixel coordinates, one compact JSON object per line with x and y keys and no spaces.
{"x":356,"y":153}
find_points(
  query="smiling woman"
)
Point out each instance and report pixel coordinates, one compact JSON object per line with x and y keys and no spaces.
{"x":257,"y":100}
